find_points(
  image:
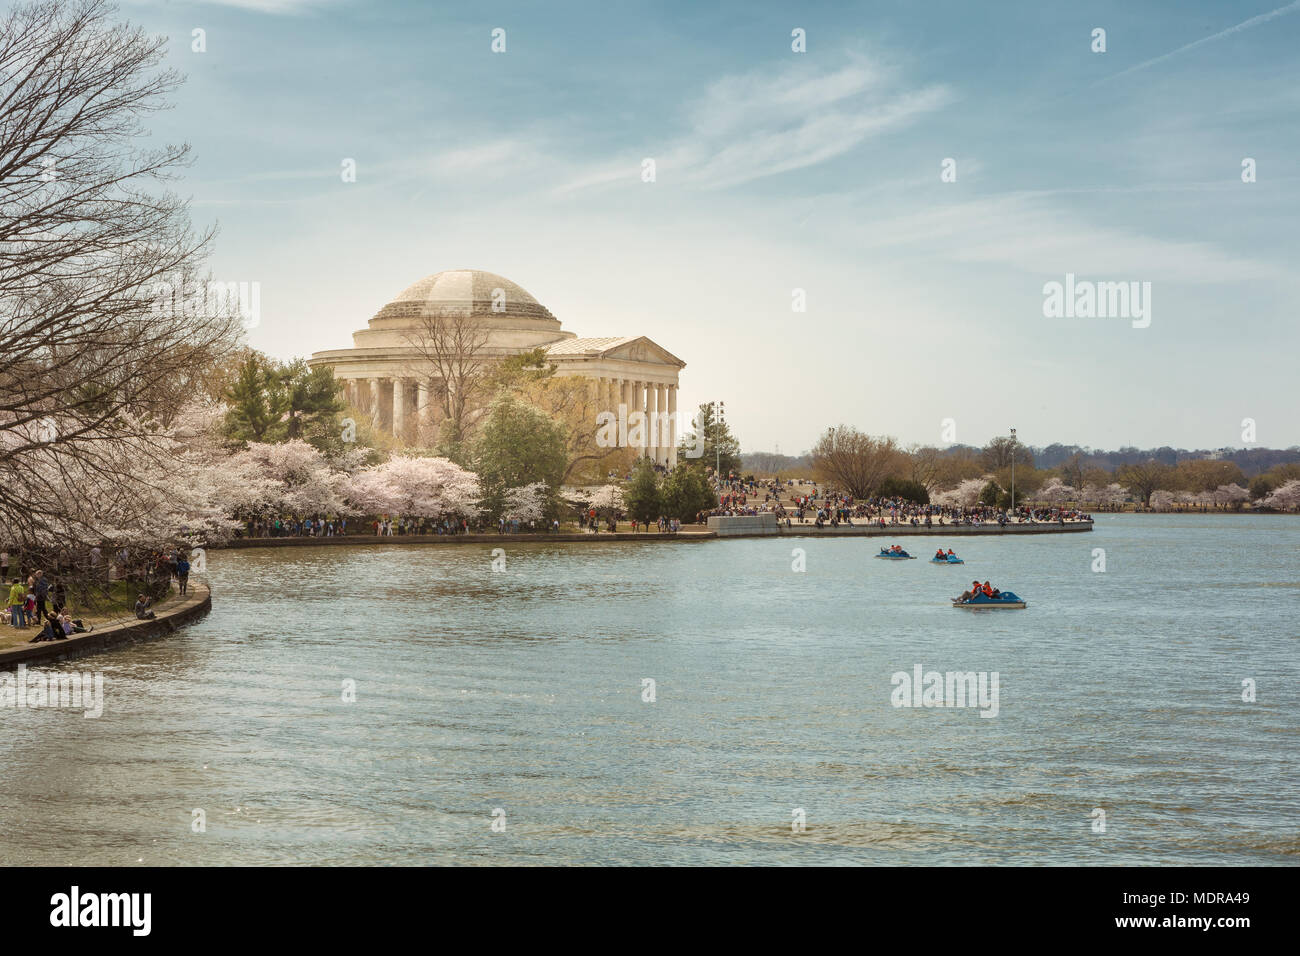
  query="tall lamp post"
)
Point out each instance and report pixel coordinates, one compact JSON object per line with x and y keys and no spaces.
{"x":1013,"y":471}
{"x":719,"y":416}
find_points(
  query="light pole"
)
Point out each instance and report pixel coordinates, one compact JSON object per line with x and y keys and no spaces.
{"x":719,"y":416}
{"x":1013,"y":471}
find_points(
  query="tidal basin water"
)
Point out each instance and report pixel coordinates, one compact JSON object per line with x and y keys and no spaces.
{"x":522,"y":691}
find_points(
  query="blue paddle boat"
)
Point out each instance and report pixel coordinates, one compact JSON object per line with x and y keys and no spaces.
{"x":895,"y":555}
{"x":947,"y":559}
{"x":1005,"y":600}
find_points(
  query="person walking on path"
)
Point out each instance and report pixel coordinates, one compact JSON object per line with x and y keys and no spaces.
{"x":183,"y":574}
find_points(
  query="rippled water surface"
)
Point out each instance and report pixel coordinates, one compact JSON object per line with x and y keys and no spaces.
{"x":522,"y":690}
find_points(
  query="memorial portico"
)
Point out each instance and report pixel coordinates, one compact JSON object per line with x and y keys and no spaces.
{"x":388,"y":376}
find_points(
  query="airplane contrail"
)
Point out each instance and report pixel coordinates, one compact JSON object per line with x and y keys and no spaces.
{"x":1244,"y":25}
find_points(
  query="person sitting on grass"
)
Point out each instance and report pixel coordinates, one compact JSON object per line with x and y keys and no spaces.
{"x":142,"y":609}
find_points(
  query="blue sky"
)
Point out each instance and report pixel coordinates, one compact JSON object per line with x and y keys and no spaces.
{"x":779,"y":170}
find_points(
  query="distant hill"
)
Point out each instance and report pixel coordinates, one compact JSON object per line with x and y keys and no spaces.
{"x":1252,"y":461}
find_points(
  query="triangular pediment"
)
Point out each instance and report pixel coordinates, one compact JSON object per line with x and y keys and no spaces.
{"x":642,"y":349}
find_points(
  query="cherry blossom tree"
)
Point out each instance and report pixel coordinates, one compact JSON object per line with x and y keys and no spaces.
{"x":417,"y":487}
{"x":1055,"y":491}
{"x":1285,"y":497}
{"x":528,"y":502}
{"x":608,"y":498}
{"x":291,"y":478}
{"x":965,"y":495}
{"x":1232,"y":495}
{"x":1162,"y":500}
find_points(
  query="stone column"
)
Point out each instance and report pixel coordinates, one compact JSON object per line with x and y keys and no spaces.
{"x":672,"y":426}
{"x":636,"y":405}
{"x":374,"y":400}
{"x":652,"y":413}
{"x":657,"y":406}
{"x":422,"y":403}
{"x":399,"y":407}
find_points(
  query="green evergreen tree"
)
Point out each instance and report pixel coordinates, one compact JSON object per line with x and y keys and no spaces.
{"x":686,"y":492}
{"x":257,"y":402}
{"x":518,"y":445}
{"x":991,"y":494}
{"x":641,"y":500}
{"x":313,"y":400}
{"x":720,"y":447}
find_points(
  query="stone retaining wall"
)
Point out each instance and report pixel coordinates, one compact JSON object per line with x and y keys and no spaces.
{"x":491,"y":538}
{"x":178,"y":613}
{"x":944,"y":531}
{"x":726,"y":526}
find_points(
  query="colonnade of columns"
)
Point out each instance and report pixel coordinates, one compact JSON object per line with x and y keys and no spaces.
{"x":657,"y":401}
{"x":396,"y":401}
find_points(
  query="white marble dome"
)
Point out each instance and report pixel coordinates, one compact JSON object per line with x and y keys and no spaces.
{"x":466,"y":292}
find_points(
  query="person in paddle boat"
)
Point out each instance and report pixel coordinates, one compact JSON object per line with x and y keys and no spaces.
{"x":896,"y":550}
{"x":940,"y":556}
{"x":951,"y":553}
{"x":976,"y":589}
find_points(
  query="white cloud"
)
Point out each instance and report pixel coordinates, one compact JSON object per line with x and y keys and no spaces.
{"x":749,"y":126}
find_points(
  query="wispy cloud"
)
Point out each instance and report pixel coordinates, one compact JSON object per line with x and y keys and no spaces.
{"x":749,"y":126}
{"x":1243,"y":25}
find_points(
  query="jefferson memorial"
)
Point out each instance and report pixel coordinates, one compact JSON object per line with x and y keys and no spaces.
{"x":387,"y":372}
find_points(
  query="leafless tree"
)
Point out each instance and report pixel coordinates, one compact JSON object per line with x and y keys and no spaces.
{"x":450,"y":359}
{"x":855,"y":462}
{"x":99,"y":337}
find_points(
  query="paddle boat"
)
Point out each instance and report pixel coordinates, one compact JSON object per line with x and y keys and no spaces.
{"x":895,"y":555}
{"x":947,"y":559}
{"x":1005,"y":599}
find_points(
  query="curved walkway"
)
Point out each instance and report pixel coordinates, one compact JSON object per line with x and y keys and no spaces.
{"x":179,"y":613}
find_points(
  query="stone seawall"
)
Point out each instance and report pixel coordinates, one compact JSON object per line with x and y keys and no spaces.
{"x":177,"y":614}
{"x":748,"y":526}
{"x":720,"y":526}
{"x":943,"y":531}
{"x":543,"y":538}
{"x":728,"y":526}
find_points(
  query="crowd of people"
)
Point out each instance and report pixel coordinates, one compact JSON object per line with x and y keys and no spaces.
{"x":40,"y":601}
{"x":826,"y":507}
{"x":35,"y":597}
{"x":292,"y":526}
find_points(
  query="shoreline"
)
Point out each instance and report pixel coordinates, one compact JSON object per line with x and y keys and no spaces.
{"x":797,"y":530}
{"x":196,"y":604}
